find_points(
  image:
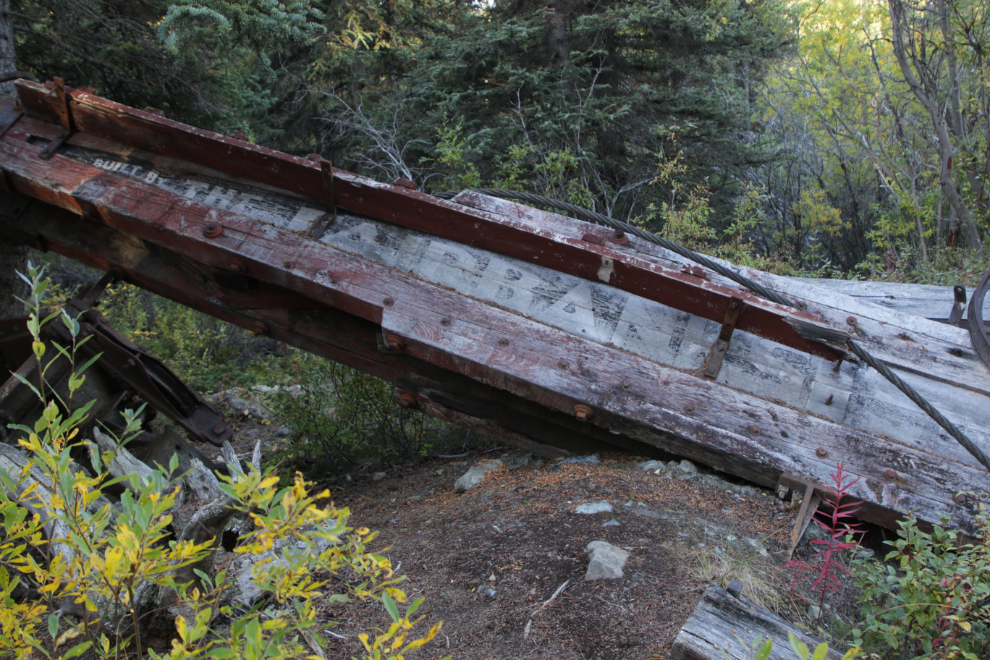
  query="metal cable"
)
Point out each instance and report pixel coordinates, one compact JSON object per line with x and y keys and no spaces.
{"x":755,"y":287}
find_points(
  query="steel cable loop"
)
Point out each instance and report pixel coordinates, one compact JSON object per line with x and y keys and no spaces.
{"x":755,"y":287}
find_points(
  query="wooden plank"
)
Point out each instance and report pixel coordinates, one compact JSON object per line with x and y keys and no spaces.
{"x":683,"y":414}
{"x":724,"y":627}
{"x":618,"y":267}
{"x":921,"y":300}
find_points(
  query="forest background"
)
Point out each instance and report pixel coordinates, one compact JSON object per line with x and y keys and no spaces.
{"x":846,"y":138}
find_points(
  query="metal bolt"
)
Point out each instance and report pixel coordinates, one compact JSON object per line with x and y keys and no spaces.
{"x":562,"y":364}
{"x":238,"y":266}
{"x":582,"y":412}
{"x":851,"y":320}
{"x":821,"y":452}
{"x":689,"y":408}
{"x":259,"y":328}
{"x":407,"y":400}
{"x":755,"y":430}
{"x":288,"y":264}
{"x":388,"y":302}
{"x":625,"y":384}
{"x":889,"y":475}
{"x":395,"y":343}
{"x":445,"y":320}
{"x":130,"y":362}
{"x":961,"y":498}
{"x":218,"y":429}
{"x":212,"y":230}
{"x":503,"y":342}
{"x":828,"y":401}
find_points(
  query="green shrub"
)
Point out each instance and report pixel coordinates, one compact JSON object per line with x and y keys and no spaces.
{"x":933,"y":604}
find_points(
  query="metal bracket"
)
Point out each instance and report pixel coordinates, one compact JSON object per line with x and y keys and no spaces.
{"x":809,"y":505}
{"x":713,"y":363}
{"x":64,"y":118}
{"x":955,"y":316}
{"x":329,"y":200}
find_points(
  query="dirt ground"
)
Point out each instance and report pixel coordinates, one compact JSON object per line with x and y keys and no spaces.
{"x":486,"y":560}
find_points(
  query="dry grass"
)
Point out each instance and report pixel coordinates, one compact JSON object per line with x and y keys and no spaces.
{"x":731,"y":558}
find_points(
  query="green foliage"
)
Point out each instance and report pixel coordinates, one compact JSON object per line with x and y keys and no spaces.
{"x":76,"y":552}
{"x":257,"y":25}
{"x":342,"y":417}
{"x":930,"y":602}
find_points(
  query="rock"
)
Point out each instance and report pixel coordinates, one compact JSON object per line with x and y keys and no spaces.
{"x":687,"y":467}
{"x":201,"y":482}
{"x":594,"y":458}
{"x":378,"y":476}
{"x":284,"y":431}
{"x":473,"y":477}
{"x":242,"y":407}
{"x":672,"y":465}
{"x":490,"y":593}
{"x":814,"y":612}
{"x":606,"y":561}
{"x":611,"y":523}
{"x":516,"y":459}
{"x":594,"y":507}
{"x":652,"y":465}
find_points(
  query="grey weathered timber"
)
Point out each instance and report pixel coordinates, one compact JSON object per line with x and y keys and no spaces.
{"x":724,"y":627}
{"x":923,"y":300}
{"x":502,"y":336}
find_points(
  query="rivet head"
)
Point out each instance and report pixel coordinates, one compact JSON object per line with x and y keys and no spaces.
{"x":388,"y":302}
{"x":445,"y":320}
{"x":238,"y":266}
{"x":218,"y":429}
{"x":961,"y":498}
{"x":562,"y":364}
{"x":259,"y":328}
{"x":851,"y":320}
{"x":582,"y":412}
{"x":625,"y":384}
{"x":503,"y":342}
{"x":406,"y":400}
{"x":755,"y":430}
{"x":212,"y":230}
{"x":821,"y":452}
{"x":889,"y":475}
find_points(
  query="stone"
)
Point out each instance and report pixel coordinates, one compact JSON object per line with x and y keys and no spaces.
{"x":516,"y":459}
{"x":606,"y":561}
{"x":814,"y":612}
{"x":652,"y":465}
{"x":594,"y":507}
{"x":473,"y":477}
{"x":284,"y":431}
{"x":687,"y":467}
{"x":378,"y":476}
{"x":611,"y":523}
{"x":593,"y":458}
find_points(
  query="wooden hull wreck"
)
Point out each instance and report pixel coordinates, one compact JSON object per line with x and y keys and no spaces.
{"x":554,"y":334}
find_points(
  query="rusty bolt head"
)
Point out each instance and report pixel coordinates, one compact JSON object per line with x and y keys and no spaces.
{"x":406,"y":400}
{"x":851,"y":320}
{"x":961,"y":498}
{"x":388,"y":302}
{"x":689,"y":408}
{"x":218,"y":429}
{"x":619,"y":237}
{"x":212,"y":230}
{"x":562,"y":364}
{"x":503,"y":342}
{"x":821,"y":452}
{"x":754,"y":429}
{"x":582,"y":412}
{"x":238,"y":266}
{"x":889,"y":475}
{"x":288,"y":264}
{"x":625,"y":384}
{"x":445,"y":320}
{"x":395,"y":342}
{"x":259,"y":328}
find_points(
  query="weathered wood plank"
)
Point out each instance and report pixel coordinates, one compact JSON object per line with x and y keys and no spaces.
{"x":724,"y":627}
{"x":922,"y":300}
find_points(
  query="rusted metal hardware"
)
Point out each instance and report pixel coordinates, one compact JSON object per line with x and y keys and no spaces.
{"x":619,"y":237}
{"x":695,"y":271}
{"x":594,"y":239}
{"x":583,"y":412}
{"x":717,"y":352}
{"x":403,"y":182}
{"x":212,"y":230}
{"x":977,"y":328}
{"x":64,"y":119}
{"x":406,"y":400}
{"x":959,"y":306}
{"x":329,"y":201}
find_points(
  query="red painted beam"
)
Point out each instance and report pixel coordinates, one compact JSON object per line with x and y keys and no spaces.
{"x":614,"y":265}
